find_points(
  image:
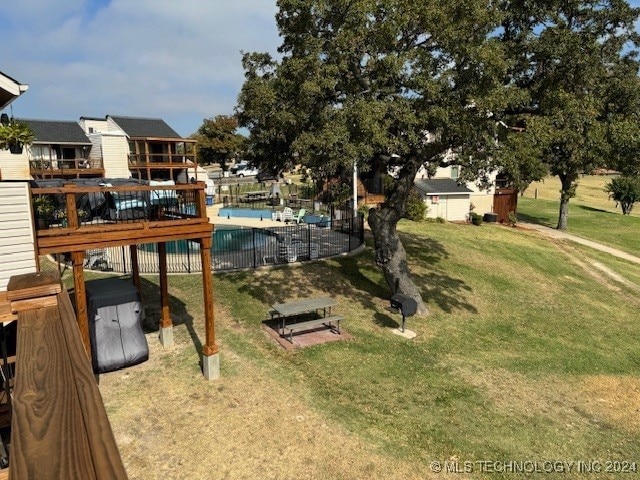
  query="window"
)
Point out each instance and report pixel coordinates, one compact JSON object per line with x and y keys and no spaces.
{"x":435,"y":199}
{"x":454,"y":172}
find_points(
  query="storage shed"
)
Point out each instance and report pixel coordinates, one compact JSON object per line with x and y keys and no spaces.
{"x":445,"y":198}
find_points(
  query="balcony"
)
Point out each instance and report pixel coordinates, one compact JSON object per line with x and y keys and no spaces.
{"x":158,"y":158}
{"x":76,"y":218}
{"x":66,"y":168}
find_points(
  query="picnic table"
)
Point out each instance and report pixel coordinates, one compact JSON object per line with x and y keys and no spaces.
{"x":287,"y":312}
{"x":256,"y":196}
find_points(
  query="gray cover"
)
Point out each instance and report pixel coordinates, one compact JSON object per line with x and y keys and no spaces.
{"x":115,"y":324}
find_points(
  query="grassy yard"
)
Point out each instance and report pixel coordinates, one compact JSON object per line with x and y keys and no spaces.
{"x":530,"y":352}
{"x":591,"y":214}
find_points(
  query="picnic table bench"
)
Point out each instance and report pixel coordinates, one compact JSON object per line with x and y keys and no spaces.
{"x":287,"y":312}
{"x":257,"y":196}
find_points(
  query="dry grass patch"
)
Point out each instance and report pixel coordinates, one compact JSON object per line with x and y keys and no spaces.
{"x":171,"y":424}
{"x":616,"y":399}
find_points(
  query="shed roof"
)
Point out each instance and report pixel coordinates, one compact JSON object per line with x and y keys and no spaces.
{"x":441,"y":186}
{"x":57,"y":131}
{"x":136,"y":127}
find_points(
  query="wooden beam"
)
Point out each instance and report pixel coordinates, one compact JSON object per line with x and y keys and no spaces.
{"x":30,"y":285}
{"x":78,"y":241}
{"x":210,"y":346}
{"x":59,"y":425}
{"x":77,"y":259}
{"x":135,"y":268}
{"x":165,"y":316}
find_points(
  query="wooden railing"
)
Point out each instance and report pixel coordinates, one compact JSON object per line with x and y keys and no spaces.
{"x":76,"y":167}
{"x":79,"y":217}
{"x":59,"y":425}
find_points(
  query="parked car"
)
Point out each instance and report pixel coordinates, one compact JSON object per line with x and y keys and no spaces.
{"x":265,"y":176}
{"x":242,"y":164}
{"x":247,"y":171}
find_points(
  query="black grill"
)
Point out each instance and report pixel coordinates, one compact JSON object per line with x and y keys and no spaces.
{"x":405,"y":305}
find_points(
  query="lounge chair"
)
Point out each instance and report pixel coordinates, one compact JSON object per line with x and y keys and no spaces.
{"x":285,"y":216}
{"x":299,"y":218}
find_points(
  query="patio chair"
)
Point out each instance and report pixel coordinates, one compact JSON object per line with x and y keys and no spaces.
{"x":285,"y":216}
{"x":98,"y":259}
{"x":299,"y":218}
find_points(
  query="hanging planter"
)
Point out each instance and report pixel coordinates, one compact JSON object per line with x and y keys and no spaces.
{"x":14,"y":135}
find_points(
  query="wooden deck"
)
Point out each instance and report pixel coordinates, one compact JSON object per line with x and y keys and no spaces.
{"x":59,"y":425}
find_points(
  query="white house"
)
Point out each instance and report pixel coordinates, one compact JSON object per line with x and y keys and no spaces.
{"x":17,"y":251}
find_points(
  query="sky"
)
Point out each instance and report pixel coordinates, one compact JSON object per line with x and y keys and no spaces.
{"x":178,"y":60}
{"x":175,"y":60}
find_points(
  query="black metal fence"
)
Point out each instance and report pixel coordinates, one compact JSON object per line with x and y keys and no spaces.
{"x":241,"y":248}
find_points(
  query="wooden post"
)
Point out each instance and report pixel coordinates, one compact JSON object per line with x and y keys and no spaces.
{"x":165,"y":319}
{"x":72,"y":212}
{"x":135,"y":269}
{"x":81,"y":299}
{"x":210,"y":346}
{"x":210,"y":356}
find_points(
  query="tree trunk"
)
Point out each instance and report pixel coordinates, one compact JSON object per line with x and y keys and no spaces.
{"x":566,"y":193}
{"x":391,"y":256}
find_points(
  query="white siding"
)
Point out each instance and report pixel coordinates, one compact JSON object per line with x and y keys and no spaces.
{"x":17,"y":250}
{"x":14,"y":166}
{"x":453,"y":208}
{"x":115,"y":156}
{"x":91,"y":123}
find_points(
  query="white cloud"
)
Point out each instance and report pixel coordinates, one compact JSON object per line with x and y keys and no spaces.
{"x":141,"y":58}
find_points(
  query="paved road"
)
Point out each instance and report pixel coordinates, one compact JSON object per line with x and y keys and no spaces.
{"x":554,"y":233}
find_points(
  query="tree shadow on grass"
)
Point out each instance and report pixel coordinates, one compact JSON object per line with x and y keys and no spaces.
{"x":593,"y":209}
{"x":150,"y":294}
{"x":343,"y":276}
{"x":359,"y":279}
{"x":385,"y":321}
{"x":539,"y":220}
{"x":436,"y":285}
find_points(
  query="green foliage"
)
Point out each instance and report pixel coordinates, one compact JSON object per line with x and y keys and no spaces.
{"x":513,"y":218}
{"x":440,"y":220}
{"x":416,"y":209}
{"x":15,"y":134}
{"x":476,"y":218}
{"x":364,"y":210}
{"x":575,"y":72}
{"x":43,"y":205}
{"x":624,"y":191}
{"x":218,"y":140}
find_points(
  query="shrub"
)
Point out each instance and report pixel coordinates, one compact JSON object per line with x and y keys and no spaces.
{"x":476,"y":218}
{"x":624,"y":191}
{"x":513,"y":218}
{"x":440,"y":220}
{"x":416,"y":209}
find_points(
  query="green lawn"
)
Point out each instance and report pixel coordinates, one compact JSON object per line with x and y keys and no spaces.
{"x":608,"y":227}
{"x":530,"y":352}
{"x":498,"y":369}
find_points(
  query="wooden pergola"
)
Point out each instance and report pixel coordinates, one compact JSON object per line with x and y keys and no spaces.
{"x":164,"y":225}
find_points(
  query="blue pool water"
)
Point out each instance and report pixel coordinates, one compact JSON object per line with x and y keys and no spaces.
{"x":225,"y":238}
{"x":245,"y":212}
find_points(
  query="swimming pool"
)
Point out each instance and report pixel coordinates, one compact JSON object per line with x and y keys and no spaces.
{"x":225,"y":238}
{"x":230,"y":212}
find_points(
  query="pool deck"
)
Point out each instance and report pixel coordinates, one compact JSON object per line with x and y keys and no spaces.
{"x":212,"y":213}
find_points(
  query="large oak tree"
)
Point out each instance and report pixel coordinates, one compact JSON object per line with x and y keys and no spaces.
{"x":397,"y":84}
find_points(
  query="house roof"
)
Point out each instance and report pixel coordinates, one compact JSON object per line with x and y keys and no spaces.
{"x":56,"y":131}
{"x":10,"y":89}
{"x":136,"y":127}
{"x":441,"y":186}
